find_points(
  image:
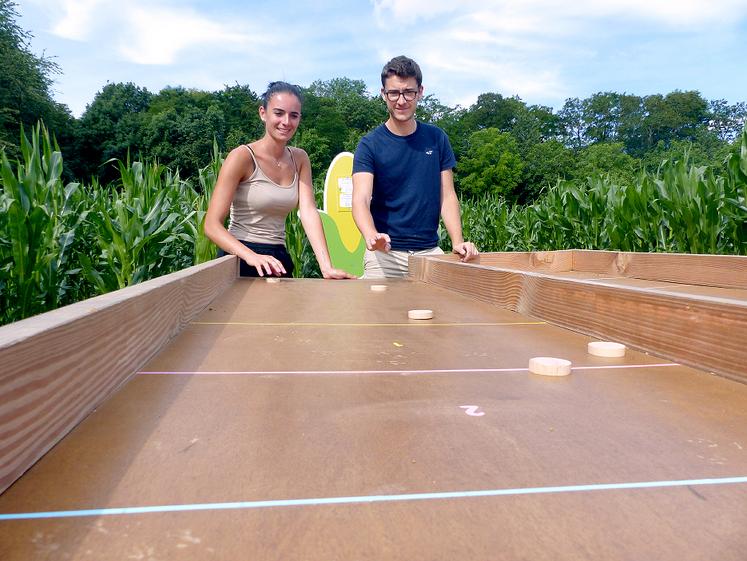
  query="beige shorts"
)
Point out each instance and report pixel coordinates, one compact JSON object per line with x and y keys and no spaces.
{"x":380,"y":265}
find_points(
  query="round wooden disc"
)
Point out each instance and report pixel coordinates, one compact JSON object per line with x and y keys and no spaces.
{"x":606,"y":349}
{"x":378,"y":287}
{"x":272,"y":279}
{"x":549,"y":366}
{"x":420,"y":314}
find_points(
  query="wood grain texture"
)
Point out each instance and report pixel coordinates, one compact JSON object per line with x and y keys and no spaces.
{"x":288,"y":432}
{"x":59,"y":366}
{"x":698,"y":330}
{"x":726,"y":271}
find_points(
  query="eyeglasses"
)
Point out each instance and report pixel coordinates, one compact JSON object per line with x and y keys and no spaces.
{"x":393,"y":95}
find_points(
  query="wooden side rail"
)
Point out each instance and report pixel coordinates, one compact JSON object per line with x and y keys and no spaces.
{"x":55,"y":368}
{"x":699,"y":330}
{"x":723,"y":271}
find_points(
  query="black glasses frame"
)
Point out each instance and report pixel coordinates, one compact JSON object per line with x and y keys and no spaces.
{"x":393,"y":95}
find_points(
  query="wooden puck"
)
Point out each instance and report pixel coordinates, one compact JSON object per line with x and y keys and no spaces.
{"x":420,"y":314}
{"x":272,"y":279}
{"x":378,"y":287}
{"x":549,"y":366}
{"x":606,"y":349}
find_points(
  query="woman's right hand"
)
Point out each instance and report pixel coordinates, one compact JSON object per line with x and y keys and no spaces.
{"x":265,"y":264}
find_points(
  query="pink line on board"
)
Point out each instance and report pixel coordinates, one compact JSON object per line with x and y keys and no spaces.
{"x":451,"y":371}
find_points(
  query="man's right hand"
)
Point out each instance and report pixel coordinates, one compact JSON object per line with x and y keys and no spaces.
{"x":379,"y":242}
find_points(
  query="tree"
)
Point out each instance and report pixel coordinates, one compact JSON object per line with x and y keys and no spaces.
{"x":324,"y":116}
{"x":601,"y":113}
{"x":609,"y":159}
{"x":708,"y":150}
{"x":317,"y":148}
{"x":359,"y":109}
{"x":492,"y":110}
{"x":676,"y":116}
{"x":491,"y":165}
{"x":112,"y":125}
{"x":239,"y":105}
{"x":25,"y":85}
{"x":184,"y":139}
{"x":572,"y":126}
{"x":727,"y":121}
{"x":535,"y":124}
{"x":544,"y":164}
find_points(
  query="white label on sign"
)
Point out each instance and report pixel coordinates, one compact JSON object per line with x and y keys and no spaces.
{"x":345,"y":184}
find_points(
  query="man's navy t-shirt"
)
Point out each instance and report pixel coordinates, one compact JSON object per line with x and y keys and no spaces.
{"x":406,"y":198}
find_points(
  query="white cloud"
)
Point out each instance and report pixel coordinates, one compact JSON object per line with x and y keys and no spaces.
{"x":544,"y":14}
{"x":527,"y":47}
{"x":156,"y":35}
{"x":392,"y":13}
{"x":481,"y":74}
{"x":151,"y":33}
{"x":77,"y":19}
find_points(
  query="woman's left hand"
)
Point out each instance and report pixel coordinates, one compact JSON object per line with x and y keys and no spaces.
{"x":332,"y":273}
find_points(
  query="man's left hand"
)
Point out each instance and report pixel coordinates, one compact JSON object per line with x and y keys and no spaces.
{"x":466,"y":251}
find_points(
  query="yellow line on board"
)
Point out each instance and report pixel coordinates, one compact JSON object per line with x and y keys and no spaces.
{"x":420,"y":324}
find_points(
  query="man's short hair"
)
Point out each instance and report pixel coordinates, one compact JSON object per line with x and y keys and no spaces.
{"x":402,"y":67}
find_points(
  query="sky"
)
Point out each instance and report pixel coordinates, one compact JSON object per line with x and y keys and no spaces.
{"x":544,"y":51}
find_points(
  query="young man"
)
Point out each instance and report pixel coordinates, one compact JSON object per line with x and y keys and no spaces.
{"x":403,"y":181}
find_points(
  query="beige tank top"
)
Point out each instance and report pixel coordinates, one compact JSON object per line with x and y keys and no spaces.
{"x":260,"y":206}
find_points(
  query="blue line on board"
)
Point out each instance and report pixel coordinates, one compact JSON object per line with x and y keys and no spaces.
{"x":367,"y":499}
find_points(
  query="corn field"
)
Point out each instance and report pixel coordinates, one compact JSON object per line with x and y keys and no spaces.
{"x":680,"y":209}
{"x":63,"y":243}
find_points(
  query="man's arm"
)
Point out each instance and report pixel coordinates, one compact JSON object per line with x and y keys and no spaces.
{"x":451,"y":215}
{"x":362,"y":191}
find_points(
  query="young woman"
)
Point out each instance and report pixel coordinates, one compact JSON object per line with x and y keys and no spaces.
{"x":259,"y":184}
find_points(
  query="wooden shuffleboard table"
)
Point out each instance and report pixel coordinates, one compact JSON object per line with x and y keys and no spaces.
{"x":200,"y":416}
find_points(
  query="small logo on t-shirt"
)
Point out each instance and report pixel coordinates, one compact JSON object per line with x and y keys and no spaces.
{"x":429,"y":152}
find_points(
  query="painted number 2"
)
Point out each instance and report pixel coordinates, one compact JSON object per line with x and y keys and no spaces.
{"x":471,"y":410}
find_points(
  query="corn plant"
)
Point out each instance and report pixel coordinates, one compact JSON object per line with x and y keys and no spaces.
{"x":680,"y":208}
{"x":140,"y":227}
{"x":734,"y":233}
{"x":483,"y":223}
{"x":204,"y":248}
{"x":39,"y":218}
{"x":299,"y":248}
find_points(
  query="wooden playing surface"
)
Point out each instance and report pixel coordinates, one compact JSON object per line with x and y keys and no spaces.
{"x":311,"y":389}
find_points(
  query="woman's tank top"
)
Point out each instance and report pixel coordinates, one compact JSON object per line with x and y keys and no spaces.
{"x":260,"y":206}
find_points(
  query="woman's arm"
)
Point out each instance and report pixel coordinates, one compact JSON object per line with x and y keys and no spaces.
{"x":312,"y":223}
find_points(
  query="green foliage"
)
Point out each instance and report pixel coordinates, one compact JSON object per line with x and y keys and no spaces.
{"x":681,"y":208}
{"x":707,"y":151}
{"x":204,"y":248}
{"x":358,"y":109}
{"x":141,"y":229}
{"x":607,"y":159}
{"x":613,"y":171}
{"x":299,"y":248}
{"x":316,"y":146}
{"x":183,"y":138}
{"x":40,"y":219}
{"x":25,"y":85}
{"x":727,"y":121}
{"x":491,"y":165}
{"x":112,"y":126}
{"x":485,"y":222}
{"x":544,"y":164}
